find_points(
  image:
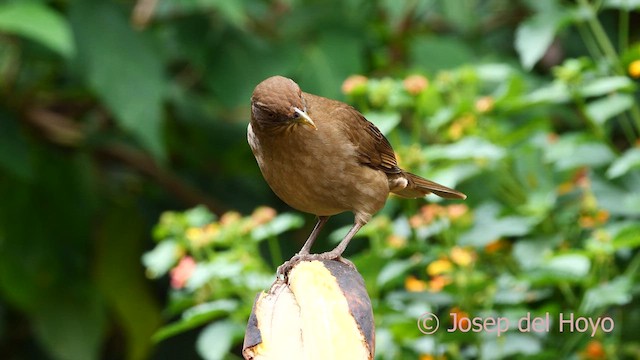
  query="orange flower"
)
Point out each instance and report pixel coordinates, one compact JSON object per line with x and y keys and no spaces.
{"x":594,"y":351}
{"x":495,"y":246}
{"x":456,"y":211}
{"x":229,"y":218}
{"x":413,"y":284}
{"x":263,"y":215}
{"x":461,"y":316}
{"x":182,"y":272}
{"x":634,"y":69}
{"x":437,"y":283}
{"x":591,"y":221}
{"x":354,"y":84}
{"x":415,"y":84}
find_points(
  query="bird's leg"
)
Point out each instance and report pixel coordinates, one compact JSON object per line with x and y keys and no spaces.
{"x":336,"y":253}
{"x":306,"y":248}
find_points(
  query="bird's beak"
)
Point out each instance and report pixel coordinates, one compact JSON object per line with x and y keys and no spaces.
{"x":304,"y":118}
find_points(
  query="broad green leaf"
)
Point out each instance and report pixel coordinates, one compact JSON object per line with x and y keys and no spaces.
{"x":393,"y":270}
{"x":38,"y":22}
{"x":629,"y":160}
{"x":434,"y":53}
{"x":198,"y":216}
{"x":555,"y":93}
{"x":124,"y":69}
{"x":14,"y":151}
{"x":509,"y":345}
{"x":622,"y":4}
{"x":467,"y":148}
{"x":627,"y":237}
{"x":195,"y":317}
{"x":330,"y":60}
{"x":219,"y":268}
{"x":616,"y":200}
{"x":210,"y":310}
{"x":121,"y":236}
{"x":216,"y":340}
{"x":275,"y":227}
{"x":489,"y":226}
{"x":71,"y":326}
{"x":161,"y":259}
{"x":607,"y":85}
{"x":575,"y":150}
{"x":615,"y":292}
{"x":570,"y":266}
{"x":534,"y":36}
{"x":606,"y":108}
{"x":384,"y":121}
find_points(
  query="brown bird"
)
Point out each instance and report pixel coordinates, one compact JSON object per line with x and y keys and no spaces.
{"x":321,"y":156}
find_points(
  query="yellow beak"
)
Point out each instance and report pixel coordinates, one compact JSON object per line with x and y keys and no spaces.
{"x":304,"y":118}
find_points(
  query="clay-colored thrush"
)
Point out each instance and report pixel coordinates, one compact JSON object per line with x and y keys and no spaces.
{"x":323,"y":157}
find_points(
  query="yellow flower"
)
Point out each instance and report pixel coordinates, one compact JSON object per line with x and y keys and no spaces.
{"x":396,"y":241}
{"x":413,"y":284}
{"x":634,"y":69}
{"x":229,"y":218}
{"x":462,"y":256}
{"x":485,"y":104}
{"x":439,"y":267}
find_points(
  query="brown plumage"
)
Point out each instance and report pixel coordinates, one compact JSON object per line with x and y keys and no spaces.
{"x":323,"y":157}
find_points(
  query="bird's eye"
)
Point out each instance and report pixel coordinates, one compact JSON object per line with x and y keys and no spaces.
{"x":296,"y":115}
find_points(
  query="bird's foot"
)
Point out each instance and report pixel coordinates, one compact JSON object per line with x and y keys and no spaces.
{"x":283,"y":270}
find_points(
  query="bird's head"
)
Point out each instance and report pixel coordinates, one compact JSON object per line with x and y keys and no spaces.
{"x":278,"y":103}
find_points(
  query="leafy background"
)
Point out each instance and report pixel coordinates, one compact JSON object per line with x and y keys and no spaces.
{"x":123,"y":159}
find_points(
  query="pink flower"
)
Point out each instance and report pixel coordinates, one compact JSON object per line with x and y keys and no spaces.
{"x":182,"y":272}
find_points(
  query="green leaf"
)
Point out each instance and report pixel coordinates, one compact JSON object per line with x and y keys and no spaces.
{"x":467,"y":148}
{"x":277,"y":226}
{"x":622,"y":4}
{"x":606,"y":108}
{"x":71,"y":326}
{"x":488,"y":226}
{"x":629,"y":160}
{"x":161,"y":259}
{"x":555,"y":93}
{"x":534,"y":36}
{"x":329,"y":61}
{"x":38,"y":22}
{"x":568,"y":266}
{"x":117,"y":272}
{"x":436,"y":53}
{"x":575,"y":150}
{"x":393,"y":270}
{"x":607,"y":85}
{"x":14,"y":151}
{"x":198,"y":216}
{"x":216,"y":340}
{"x":508,"y":345}
{"x":627,"y":237}
{"x":384,"y":121}
{"x":196,"y":316}
{"x":123,"y":68}
{"x":614,"y":292}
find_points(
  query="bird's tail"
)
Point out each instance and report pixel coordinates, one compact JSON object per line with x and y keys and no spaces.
{"x":417,"y":187}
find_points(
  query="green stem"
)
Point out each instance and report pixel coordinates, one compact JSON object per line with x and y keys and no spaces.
{"x":623,"y":30}
{"x":274,"y":249}
{"x":635,"y":115}
{"x":601,"y":37}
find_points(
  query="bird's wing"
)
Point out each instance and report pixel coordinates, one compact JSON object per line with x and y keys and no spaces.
{"x":374,"y":150}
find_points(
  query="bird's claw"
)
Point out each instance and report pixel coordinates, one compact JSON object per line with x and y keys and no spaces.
{"x":283,"y":270}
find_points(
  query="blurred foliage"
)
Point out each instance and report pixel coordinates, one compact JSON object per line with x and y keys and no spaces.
{"x":112,"y":112}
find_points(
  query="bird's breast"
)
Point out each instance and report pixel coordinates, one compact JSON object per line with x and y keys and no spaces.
{"x":317,"y":171}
